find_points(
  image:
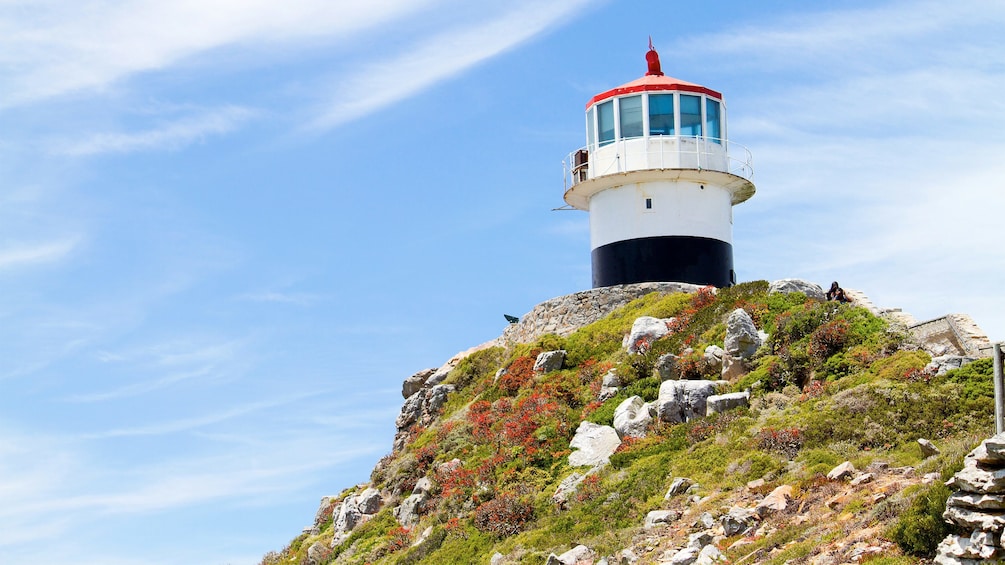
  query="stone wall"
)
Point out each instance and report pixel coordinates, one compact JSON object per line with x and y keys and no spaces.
{"x":953,"y":334}
{"x":565,"y":314}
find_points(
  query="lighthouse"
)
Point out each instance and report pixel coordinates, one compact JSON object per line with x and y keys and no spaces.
{"x":659,"y":179}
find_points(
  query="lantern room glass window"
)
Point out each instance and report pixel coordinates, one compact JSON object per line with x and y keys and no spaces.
{"x":605,"y":122}
{"x":630,"y":110}
{"x":712,"y":123}
{"x":690,"y":115}
{"x":652,"y":114}
{"x":661,"y":114}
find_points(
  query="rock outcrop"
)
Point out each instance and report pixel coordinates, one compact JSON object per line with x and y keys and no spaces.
{"x":632,"y":417}
{"x":565,"y":314}
{"x":742,"y":341}
{"x":645,"y":330}
{"x":680,"y":401}
{"x":353,"y":511}
{"x":409,"y":510}
{"x":549,"y":361}
{"x":811,"y":290}
{"x":719,"y":403}
{"x":610,"y":384}
{"x":977,"y":507}
{"x":594,"y":445}
{"x":420,"y":408}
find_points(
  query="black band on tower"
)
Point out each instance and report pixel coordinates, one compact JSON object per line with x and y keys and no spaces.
{"x":696,"y":260}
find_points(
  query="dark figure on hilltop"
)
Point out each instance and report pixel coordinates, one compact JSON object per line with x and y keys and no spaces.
{"x":837,"y":293}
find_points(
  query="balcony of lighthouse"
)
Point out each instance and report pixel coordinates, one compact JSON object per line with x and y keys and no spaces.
{"x":622,"y":160}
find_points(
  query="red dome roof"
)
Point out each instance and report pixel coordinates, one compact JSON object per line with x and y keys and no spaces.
{"x":654,"y":80}
{"x":651,"y":83}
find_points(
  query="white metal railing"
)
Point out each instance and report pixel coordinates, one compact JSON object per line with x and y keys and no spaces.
{"x":656,"y":152}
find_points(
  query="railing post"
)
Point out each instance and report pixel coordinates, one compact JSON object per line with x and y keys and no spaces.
{"x":999,"y":390}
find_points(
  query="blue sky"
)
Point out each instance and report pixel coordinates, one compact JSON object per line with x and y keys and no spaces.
{"x":229,"y":230}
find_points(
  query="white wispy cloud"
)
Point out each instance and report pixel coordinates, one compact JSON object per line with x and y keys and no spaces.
{"x":437,"y":58}
{"x":139,"y":388}
{"x":175,"y":352}
{"x":20,"y":254}
{"x":49,"y":48}
{"x":51,"y":485}
{"x":880,"y":158}
{"x":182,"y":359}
{"x":818,"y":40}
{"x":197,"y":422}
{"x":169,"y":136}
{"x":187,"y":486}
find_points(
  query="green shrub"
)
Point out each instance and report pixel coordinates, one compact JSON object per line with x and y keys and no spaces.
{"x":461,"y":545}
{"x":762,"y":372}
{"x":900,"y":365}
{"x":863,"y":327}
{"x":976,"y":379}
{"x":634,"y":449}
{"x":836,"y":366}
{"x":646,"y":387}
{"x":603,"y":337}
{"x":432,"y":543}
{"x":920,"y":528}
{"x":818,"y":461}
{"x":475,"y":366}
{"x":880,"y":414}
{"x":605,"y":414}
{"x":549,"y":342}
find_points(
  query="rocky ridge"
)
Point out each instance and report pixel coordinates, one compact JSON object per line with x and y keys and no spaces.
{"x":689,"y":529}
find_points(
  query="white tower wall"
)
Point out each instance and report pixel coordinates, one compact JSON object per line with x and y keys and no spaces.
{"x":675,"y":209}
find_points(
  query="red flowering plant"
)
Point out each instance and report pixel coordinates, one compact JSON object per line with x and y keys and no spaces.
{"x":398,"y":538}
{"x":588,"y":489}
{"x":481,"y":416}
{"x":828,"y":339}
{"x":813,"y":389}
{"x":787,"y":441}
{"x":425,"y":455}
{"x":454,"y":527}
{"x":692,"y":367}
{"x":535,"y":424}
{"x":700,"y":431}
{"x":504,"y":515}
{"x":699,"y":300}
{"x":518,"y":373}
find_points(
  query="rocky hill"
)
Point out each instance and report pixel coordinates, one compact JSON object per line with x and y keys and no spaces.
{"x":667,"y":423}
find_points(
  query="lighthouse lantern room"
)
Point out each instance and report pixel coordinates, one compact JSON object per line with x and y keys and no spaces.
{"x":659,"y":179}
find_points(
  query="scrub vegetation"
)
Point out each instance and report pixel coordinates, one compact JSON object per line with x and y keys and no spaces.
{"x":832,"y":383}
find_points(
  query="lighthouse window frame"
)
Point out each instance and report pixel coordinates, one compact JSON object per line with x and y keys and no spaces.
{"x":690,"y":115}
{"x":605,"y":122}
{"x":661,"y":114}
{"x":669,"y":114}
{"x":713,"y":121}
{"x":630,"y":112}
